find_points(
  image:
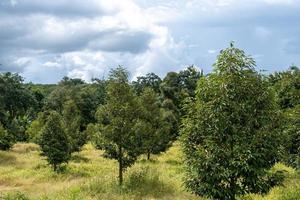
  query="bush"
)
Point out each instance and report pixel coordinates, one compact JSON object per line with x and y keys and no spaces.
{"x":6,"y":139}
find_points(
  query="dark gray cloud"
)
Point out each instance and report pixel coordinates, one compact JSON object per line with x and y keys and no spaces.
{"x":45,"y":40}
{"x":86,"y":8}
{"x":55,"y":35}
{"x":122,"y":40}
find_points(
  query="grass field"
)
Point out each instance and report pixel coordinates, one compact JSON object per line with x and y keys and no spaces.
{"x":25,"y":175}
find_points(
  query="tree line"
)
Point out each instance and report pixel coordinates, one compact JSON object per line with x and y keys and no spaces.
{"x":234,"y":123}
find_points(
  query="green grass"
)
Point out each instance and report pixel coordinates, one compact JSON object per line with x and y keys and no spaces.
{"x":25,"y":175}
{"x":290,"y":190}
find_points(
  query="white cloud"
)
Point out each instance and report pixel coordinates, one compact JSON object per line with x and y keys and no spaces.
{"x":281,"y":2}
{"x":46,"y":40}
{"x":83,"y":45}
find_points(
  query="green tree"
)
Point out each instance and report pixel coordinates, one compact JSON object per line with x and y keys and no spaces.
{"x":188,"y":79}
{"x":117,"y":119}
{"x":171,"y":100}
{"x":72,"y":120}
{"x":287,"y":87}
{"x":71,"y":81}
{"x":150,"y":80}
{"x":54,"y":141}
{"x":16,"y":104}
{"x":153,"y":127}
{"x":5,"y":139}
{"x":87,"y":98}
{"x":55,"y":100}
{"x":291,"y":137}
{"x":34,"y":129}
{"x":171,"y":88}
{"x":229,"y":133}
{"x":15,"y":98}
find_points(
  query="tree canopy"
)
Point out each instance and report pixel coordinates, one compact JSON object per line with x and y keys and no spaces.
{"x":229,"y":132}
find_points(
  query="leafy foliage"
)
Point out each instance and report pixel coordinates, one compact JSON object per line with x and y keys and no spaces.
{"x":71,"y":118}
{"x":151,"y":80}
{"x":229,"y":132}
{"x":118,"y":118}
{"x":87,"y":98}
{"x":5,"y":139}
{"x":153,"y":127}
{"x":287,"y":87}
{"x":291,"y":139}
{"x":188,"y":79}
{"x":15,"y":98}
{"x":16,"y":104}
{"x":54,"y":142}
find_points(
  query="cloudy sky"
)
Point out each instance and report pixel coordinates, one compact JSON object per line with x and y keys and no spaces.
{"x":44,"y":40}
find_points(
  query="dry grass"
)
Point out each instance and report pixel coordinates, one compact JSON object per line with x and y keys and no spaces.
{"x":25,"y":175}
{"x":90,"y":176}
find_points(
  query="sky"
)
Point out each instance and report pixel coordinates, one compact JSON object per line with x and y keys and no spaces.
{"x":44,"y":40}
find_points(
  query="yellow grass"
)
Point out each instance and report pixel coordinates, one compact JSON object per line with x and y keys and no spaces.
{"x":24,"y":174}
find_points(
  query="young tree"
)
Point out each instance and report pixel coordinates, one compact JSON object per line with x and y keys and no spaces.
{"x":229,"y":132}
{"x":118,"y":118}
{"x":54,"y":141}
{"x":72,"y":118}
{"x":153,"y":127}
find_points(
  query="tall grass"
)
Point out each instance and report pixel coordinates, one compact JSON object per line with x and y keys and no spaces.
{"x":25,"y":175}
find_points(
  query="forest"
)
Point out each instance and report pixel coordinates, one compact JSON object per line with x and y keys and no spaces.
{"x":233,"y":133}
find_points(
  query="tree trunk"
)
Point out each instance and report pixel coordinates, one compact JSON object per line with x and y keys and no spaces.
{"x":120,"y":166}
{"x":148,"y":155}
{"x":54,"y":167}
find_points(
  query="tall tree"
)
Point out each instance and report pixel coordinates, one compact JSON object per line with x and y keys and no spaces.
{"x":15,"y":98}
{"x":16,"y":104}
{"x":229,"y":133}
{"x":118,"y":118}
{"x":171,"y":100}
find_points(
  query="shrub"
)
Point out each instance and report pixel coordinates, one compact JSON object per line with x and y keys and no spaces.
{"x":6,"y":139}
